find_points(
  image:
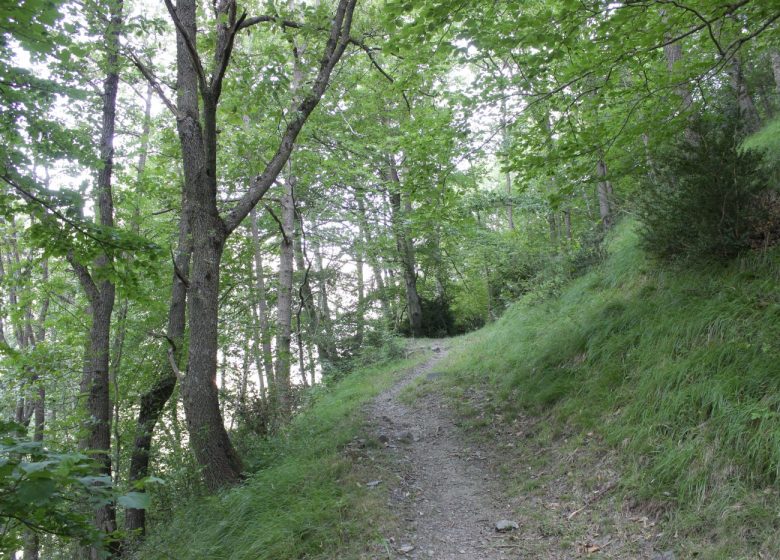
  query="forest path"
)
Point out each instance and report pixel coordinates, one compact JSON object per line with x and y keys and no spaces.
{"x":446,"y":493}
{"x":449,"y":485}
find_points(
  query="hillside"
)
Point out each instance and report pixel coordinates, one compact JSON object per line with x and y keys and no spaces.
{"x":634,"y":414}
{"x":674,"y":369}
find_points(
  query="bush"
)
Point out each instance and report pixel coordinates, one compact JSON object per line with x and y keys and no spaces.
{"x":380,"y":346}
{"x":708,"y":200}
{"x":46,"y":492}
{"x":437,"y":318}
{"x":592,"y":252}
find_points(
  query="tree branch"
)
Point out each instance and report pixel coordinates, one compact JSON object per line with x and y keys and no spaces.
{"x":224,"y":58}
{"x":191,"y":48}
{"x":279,"y":223}
{"x":153,"y":81}
{"x":85,"y":278}
{"x":337,"y":43}
{"x":249,"y":22}
{"x":179,"y":274}
{"x":28,"y":196}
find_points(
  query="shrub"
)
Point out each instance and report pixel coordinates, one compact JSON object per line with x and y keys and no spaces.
{"x":46,"y":492}
{"x":707,"y":200}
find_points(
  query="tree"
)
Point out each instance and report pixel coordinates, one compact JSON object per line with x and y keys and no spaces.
{"x":196,"y":111}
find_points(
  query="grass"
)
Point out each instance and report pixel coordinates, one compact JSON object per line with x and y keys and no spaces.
{"x":675,"y":368}
{"x":672,"y":370}
{"x":306,"y":498}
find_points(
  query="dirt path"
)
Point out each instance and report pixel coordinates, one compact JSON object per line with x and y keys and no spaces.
{"x":447,"y":493}
{"x":450,"y":489}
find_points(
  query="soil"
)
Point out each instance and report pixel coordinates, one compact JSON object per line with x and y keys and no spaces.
{"x":450,"y":481}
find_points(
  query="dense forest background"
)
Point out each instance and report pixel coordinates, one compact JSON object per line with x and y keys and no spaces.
{"x":213,"y":211}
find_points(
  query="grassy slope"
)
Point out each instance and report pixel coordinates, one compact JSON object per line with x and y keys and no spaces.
{"x":304,"y":501}
{"x":677,"y":368}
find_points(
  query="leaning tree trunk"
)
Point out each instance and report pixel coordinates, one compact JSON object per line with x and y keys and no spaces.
{"x":306,"y":294}
{"x":154,"y":400}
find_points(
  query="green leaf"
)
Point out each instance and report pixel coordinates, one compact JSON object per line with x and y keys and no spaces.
{"x":134,"y":500}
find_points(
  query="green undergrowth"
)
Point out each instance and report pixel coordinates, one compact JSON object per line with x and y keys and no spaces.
{"x":676,"y":367}
{"x":304,"y":499}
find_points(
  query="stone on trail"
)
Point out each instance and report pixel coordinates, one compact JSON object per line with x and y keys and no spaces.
{"x":405,"y":548}
{"x":404,"y":437}
{"x":506,"y":525}
{"x":373,"y":483}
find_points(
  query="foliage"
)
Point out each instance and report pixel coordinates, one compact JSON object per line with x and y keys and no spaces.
{"x":766,"y":142}
{"x":381,"y":346}
{"x":708,"y":199}
{"x":46,"y":492}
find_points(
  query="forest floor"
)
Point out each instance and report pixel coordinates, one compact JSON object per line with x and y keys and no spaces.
{"x":451,"y":471}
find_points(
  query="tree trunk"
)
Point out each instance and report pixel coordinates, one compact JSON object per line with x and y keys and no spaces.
{"x":307,"y":296}
{"x":117,"y":350}
{"x":405,"y":251}
{"x":749,"y":118}
{"x":604,"y":195}
{"x":567,"y":223}
{"x":360,"y":310}
{"x":208,"y":437}
{"x":775,"y":57}
{"x":326,"y":321}
{"x":258,"y":354}
{"x":197,"y":131}
{"x":376,"y":269}
{"x":284,"y":301}
{"x":673,"y":54}
{"x":153,"y":401}
{"x":262,"y":309}
{"x":242,"y":390}
{"x":552,"y":223}
{"x":95,"y":381}
{"x":31,"y":540}
{"x":508,"y":175}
